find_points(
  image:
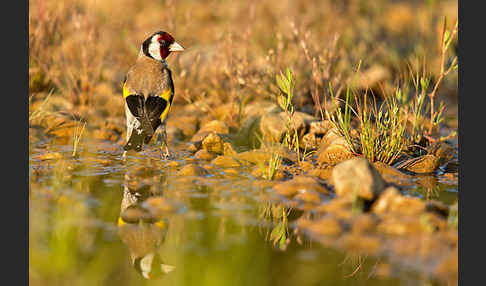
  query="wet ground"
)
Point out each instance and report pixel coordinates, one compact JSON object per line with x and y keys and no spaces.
{"x":98,"y":220}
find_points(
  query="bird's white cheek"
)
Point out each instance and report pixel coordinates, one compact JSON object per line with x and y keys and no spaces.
{"x":154,"y":51}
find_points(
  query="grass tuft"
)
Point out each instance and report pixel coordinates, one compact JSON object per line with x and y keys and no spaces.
{"x":78,"y":132}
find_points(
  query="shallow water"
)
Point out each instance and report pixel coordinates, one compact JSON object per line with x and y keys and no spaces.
{"x":213,"y":230}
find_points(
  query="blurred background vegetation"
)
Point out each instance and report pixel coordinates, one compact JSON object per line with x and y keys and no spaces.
{"x":81,"y":49}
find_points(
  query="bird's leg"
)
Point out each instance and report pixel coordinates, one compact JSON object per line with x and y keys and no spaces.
{"x":164,"y":147}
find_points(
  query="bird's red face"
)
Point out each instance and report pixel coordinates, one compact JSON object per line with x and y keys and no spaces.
{"x":160,"y":45}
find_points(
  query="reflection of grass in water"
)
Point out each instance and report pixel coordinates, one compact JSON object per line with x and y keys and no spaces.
{"x":280,"y":233}
{"x":276,"y":214}
{"x":429,"y":193}
{"x":433,"y":192}
{"x":355,"y":261}
{"x":78,"y":132}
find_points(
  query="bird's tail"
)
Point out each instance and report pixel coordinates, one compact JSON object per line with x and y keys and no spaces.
{"x":135,"y":141}
{"x":145,"y":130}
{"x":137,"y":106}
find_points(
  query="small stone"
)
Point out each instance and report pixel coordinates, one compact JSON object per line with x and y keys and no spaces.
{"x":333,"y":149}
{"x":399,"y":225}
{"x":340,"y":207}
{"x":421,"y":165}
{"x":364,"y":223}
{"x":299,"y":184}
{"x":357,"y":177}
{"x":408,"y":206}
{"x":228,"y":149}
{"x":225,"y":162}
{"x":216,"y":126}
{"x":327,"y":226}
{"x":317,"y":130}
{"x":393,"y":175}
{"x":392,"y":201}
{"x":279,"y":175}
{"x":273,"y":126}
{"x":204,"y":155}
{"x":208,"y":166}
{"x":173,"y":164}
{"x":213,"y":143}
{"x":310,"y":141}
{"x":262,"y":184}
{"x":231,"y":172}
{"x":308,"y":196}
{"x":262,"y":156}
{"x":199,"y":136}
{"x":320,"y":127}
{"x":384,"y":203}
{"x":194,"y":146}
{"x":48,"y":156}
{"x":306,"y":166}
{"x":321,"y":173}
{"x":441,"y":150}
{"x":192,"y":170}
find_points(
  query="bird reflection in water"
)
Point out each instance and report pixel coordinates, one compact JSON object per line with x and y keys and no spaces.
{"x":141,"y":230}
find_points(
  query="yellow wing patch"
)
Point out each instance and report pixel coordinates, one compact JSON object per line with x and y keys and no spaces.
{"x":164,"y":113}
{"x":125,"y":91}
{"x":166,"y":94}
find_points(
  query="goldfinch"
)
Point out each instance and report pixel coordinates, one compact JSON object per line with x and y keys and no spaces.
{"x":142,"y":232}
{"x":143,"y":235}
{"x":148,"y":91}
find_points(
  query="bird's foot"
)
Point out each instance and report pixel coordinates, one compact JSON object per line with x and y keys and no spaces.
{"x":165,"y":154}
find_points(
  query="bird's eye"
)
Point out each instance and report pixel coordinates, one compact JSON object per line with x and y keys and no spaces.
{"x":164,"y":43}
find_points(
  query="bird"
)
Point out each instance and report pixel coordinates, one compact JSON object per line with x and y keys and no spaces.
{"x":142,"y":230}
{"x":148,"y":92}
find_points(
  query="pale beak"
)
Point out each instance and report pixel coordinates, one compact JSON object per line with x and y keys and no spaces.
{"x":175,"y":47}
